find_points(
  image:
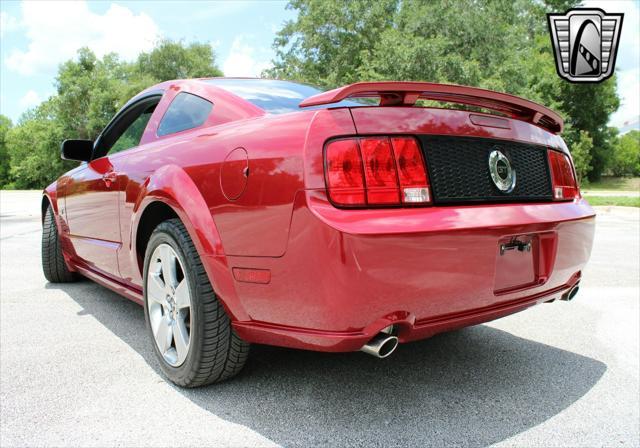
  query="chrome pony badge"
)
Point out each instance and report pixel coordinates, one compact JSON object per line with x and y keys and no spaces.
{"x":503,"y":176}
{"x":585,"y":42}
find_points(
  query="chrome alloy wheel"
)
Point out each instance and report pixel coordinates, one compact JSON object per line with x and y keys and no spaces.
{"x":169,"y":305}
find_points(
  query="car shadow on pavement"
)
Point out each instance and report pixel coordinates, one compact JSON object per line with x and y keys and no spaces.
{"x":475,"y":386}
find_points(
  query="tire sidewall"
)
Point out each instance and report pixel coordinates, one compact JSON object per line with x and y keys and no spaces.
{"x":167,"y":234}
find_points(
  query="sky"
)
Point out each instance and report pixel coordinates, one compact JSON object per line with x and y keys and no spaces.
{"x":36,"y":36}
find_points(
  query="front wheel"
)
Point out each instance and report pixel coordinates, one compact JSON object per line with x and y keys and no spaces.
{"x":54,"y":267}
{"x":191,"y":332}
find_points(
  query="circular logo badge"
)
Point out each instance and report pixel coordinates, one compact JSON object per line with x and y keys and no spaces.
{"x":503,"y":176}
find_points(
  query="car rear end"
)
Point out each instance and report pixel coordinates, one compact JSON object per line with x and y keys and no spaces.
{"x":421,"y":220}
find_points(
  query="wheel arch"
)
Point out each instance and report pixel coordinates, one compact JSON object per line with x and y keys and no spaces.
{"x":171,"y":193}
{"x":49,"y":199}
{"x":44,"y":206}
{"x":153,"y":215}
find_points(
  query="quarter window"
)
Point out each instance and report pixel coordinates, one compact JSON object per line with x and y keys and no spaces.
{"x":186,"y":111}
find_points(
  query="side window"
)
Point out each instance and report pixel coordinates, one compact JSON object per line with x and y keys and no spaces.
{"x":130,"y":138}
{"x":186,"y":111}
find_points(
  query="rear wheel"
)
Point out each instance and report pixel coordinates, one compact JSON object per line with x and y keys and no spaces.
{"x":191,"y":332}
{"x":53,"y":265}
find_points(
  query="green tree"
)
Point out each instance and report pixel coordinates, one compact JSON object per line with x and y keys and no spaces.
{"x":174,"y":60}
{"x":330,"y":40}
{"x":90,"y":90}
{"x":34,"y":148}
{"x":89,"y":93}
{"x":334,"y":42}
{"x":626,"y":155}
{"x":588,"y":107}
{"x":581,"y":154}
{"x":5,"y":126}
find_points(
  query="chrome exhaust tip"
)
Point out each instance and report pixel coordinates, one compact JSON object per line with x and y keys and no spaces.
{"x":572,"y":292}
{"x":381,"y":346}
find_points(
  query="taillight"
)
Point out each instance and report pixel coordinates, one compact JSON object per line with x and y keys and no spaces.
{"x":376,"y":171}
{"x":563,"y":180}
{"x":380,"y":175}
{"x":344,"y":172}
{"x":414,"y":184}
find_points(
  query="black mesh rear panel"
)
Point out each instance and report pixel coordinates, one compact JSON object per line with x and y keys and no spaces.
{"x":459,"y":170}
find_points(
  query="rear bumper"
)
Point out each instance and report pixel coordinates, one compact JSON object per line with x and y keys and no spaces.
{"x":347,"y":274}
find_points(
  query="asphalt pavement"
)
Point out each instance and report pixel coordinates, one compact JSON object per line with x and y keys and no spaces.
{"x":77,"y":369}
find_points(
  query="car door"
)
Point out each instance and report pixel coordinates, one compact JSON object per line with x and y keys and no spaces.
{"x":92,"y":194}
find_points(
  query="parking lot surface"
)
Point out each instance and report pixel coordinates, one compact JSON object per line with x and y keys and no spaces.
{"x":77,"y":369}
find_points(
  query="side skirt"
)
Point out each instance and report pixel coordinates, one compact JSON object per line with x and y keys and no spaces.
{"x":117,"y":286}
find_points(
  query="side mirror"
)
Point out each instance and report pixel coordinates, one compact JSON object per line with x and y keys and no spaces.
{"x":80,"y":150}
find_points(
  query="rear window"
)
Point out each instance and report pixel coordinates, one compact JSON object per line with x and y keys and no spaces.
{"x":186,"y":111}
{"x":274,"y":96}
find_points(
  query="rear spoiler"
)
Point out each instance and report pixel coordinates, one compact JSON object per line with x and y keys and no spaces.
{"x":407,"y":93}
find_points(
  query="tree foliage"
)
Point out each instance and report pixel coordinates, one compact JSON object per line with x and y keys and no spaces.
{"x":626,"y":155}
{"x":5,"y":125}
{"x":496,"y":44}
{"x":581,"y":153}
{"x":173,"y":60}
{"x":33,"y":147}
{"x":89,"y":91}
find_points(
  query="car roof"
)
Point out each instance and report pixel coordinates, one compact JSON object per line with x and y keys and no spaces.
{"x":272,"y":96}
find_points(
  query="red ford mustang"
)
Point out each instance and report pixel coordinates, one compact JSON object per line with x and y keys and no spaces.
{"x":245,"y":211}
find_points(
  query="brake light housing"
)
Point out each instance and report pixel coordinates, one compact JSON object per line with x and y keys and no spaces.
{"x":563,"y":178}
{"x":376,"y":171}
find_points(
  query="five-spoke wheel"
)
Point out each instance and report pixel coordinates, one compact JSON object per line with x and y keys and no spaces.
{"x":169,"y":305}
{"x":191,"y":331}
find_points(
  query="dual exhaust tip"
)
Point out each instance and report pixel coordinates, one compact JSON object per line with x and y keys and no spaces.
{"x":382,"y":344}
{"x":385,"y":343}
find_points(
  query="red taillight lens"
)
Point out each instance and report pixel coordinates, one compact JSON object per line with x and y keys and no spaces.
{"x":379,"y":171}
{"x":565,"y":186}
{"x":376,"y":171}
{"x":344,"y":172}
{"x":414,"y":185}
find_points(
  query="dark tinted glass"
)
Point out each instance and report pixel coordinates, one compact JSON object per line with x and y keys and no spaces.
{"x":131,"y":137}
{"x":276,"y":97}
{"x":186,"y":111}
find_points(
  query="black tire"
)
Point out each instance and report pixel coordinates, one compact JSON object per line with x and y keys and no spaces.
{"x":53,"y":265}
{"x":216,"y":352}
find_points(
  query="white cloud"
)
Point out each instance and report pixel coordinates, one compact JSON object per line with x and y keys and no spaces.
{"x":8,"y":23}
{"x":629,"y":91}
{"x":245,"y":60}
{"x":30,"y":99}
{"x":56,"y":30}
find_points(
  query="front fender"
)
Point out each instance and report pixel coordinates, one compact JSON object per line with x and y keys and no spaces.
{"x":50,"y":197}
{"x":173,"y":186}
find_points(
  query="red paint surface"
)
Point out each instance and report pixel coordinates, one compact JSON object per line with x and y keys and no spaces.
{"x":336,"y":276}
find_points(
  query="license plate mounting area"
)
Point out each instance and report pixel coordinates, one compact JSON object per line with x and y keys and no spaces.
{"x":524,"y":261}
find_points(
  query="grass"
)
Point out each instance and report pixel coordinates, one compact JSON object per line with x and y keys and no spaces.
{"x":614,"y":184}
{"x":623,"y":201}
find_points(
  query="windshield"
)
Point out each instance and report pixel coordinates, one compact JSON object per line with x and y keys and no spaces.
{"x":276,"y":97}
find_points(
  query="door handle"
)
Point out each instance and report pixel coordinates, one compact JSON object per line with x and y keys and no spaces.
{"x":109,"y":177}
